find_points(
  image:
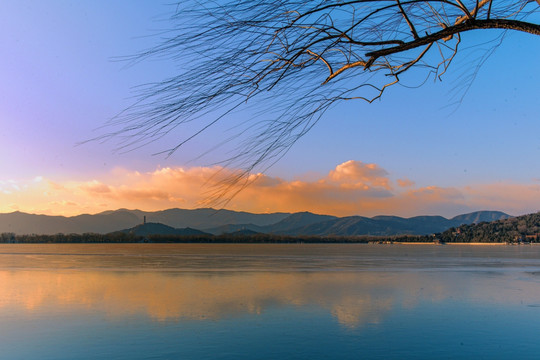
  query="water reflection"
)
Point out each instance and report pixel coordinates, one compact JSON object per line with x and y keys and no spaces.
{"x":354,"y":299}
{"x":269,"y":302}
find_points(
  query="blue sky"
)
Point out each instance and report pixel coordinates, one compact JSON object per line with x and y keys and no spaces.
{"x":60,"y":83}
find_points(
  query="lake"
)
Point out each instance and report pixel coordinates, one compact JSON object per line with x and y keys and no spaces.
{"x":269,"y":301}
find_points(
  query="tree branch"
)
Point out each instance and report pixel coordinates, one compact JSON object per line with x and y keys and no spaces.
{"x":269,"y":53}
{"x":411,"y":26}
{"x":343,"y":68}
{"x":456,"y":29}
{"x":317,"y":57}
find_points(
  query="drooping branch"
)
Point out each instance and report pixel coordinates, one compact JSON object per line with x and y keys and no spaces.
{"x":456,"y":29}
{"x":291,"y":60}
{"x":343,"y":68}
{"x":473,"y":13}
{"x":411,"y":26}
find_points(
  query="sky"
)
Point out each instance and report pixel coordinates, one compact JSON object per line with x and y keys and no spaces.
{"x":408,"y":154}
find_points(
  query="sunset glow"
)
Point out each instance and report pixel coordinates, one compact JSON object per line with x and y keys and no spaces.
{"x":351,"y":188}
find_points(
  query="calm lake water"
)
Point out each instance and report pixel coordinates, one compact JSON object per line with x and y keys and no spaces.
{"x":149,"y":301}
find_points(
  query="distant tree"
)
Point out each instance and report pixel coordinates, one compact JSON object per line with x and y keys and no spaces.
{"x":299,"y":58}
{"x":7,"y":237}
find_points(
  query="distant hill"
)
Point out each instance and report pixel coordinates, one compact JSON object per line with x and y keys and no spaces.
{"x":207,"y":218}
{"x":391,"y":225}
{"x":243,"y":232}
{"x":109,"y":221}
{"x":480,"y":216}
{"x":297,"y":220}
{"x":227,"y":221}
{"x":285,"y":226}
{"x":160,"y":229}
{"x":525,"y":228}
{"x":22,"y":223}
{"x":232,"y":228}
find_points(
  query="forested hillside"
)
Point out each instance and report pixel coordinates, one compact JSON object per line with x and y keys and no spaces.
{"x":525,"y":228}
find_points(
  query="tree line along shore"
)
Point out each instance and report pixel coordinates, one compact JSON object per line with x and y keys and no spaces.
{"x":120,"y":238}
{"x":514,"y":230}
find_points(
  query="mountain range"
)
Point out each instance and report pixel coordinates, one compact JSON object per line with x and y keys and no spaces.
{"x":227,"y":221}
{"x":147,"y":229}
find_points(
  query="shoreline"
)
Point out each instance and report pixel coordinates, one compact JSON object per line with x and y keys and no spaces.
{"x":303,"y":242}
{"x":465,"y":243}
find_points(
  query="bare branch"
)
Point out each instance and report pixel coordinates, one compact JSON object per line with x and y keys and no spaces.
{"x":412,"y":63}
{"x":472,"y":13}
{"x":267,"y":55}
{"x":413,"y":30}
{"x":465,"y":10}
{"x":319,"y":57}
{"x":457,"y":29}
{"x":343,"y":68}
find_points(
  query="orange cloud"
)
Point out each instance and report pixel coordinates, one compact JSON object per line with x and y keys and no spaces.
{"x":405,"y":182}
{"x":351,"y":188}
{"x":96,"y":187}
{"x":514,"y":198}
{"x":360,"y":175}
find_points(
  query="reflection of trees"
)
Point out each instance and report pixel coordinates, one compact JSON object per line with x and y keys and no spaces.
{"x":354,"y":298}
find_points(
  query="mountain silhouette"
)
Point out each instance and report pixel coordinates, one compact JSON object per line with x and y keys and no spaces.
{"x":227,"y":221}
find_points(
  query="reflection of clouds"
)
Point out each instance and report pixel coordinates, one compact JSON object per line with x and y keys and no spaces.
{"x":165,"y":296}
{"x":353,"y":298}
{"x":355,"y":311}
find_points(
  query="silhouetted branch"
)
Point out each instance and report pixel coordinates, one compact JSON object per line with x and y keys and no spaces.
{"x":293,"y":60}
